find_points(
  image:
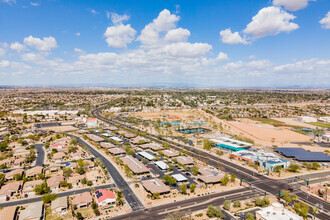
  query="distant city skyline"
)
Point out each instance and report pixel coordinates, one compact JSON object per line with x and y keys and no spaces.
{"x":147,"y":43}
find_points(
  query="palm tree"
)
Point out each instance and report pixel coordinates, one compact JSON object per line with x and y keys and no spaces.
{"x":314,"y":212}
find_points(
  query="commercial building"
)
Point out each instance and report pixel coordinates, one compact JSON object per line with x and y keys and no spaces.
{"x":210,"y":176}
{"x":155,"y":186}
{"x":262,"y":158}
{"x":179,"y":177}
{"x":276,"y":212}
{"x":171,"y":153}
{"x":135,"y":166}
{"x":146,"y":155}
{"x":231,"y":144}
{"x":162,"y":165}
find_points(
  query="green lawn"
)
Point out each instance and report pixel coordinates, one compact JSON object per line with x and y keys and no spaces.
{"x":320,"y":124}
{"x":268,"y":121}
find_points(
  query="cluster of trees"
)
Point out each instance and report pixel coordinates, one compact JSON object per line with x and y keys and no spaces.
{"x":214,"y":212}
{"x":169,"y":180}
{"x":294,"y":168}
{"x":263,"y":202}
{"x":312,"y":166}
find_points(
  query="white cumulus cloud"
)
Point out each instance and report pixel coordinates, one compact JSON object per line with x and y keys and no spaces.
{"x":119,"y":36}
{"x":116,"y":18}
{"x":17,"y":46}
{"x":177,"y":35}
{"x":163,"y":23}
{"x":325,"y":22}
{"x":292,"y":5}
{"x":45,"y":44}
{"x":270,"y":21}
{"x":229,"y":37}
{"x":189,"y":50}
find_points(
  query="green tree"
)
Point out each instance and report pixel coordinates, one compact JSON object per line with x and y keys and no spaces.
{"x":315,"y":210}
{"x":79,"y":216}
{"x":2,"y":179}
{"x":277,"y":169}
{"x":41,"y":189}
{"x":194,"y":170}
{"x":212,"y":212}
{"x":237,"y":204}
{"x":192,"y":187}
{"x":286,"y":196}
{"x":249,"y":216}
{"x":226,"y":205}
{"x":294,"y":168}
{"x":232,"y":177}
{"x":183,"y":188}
{"x":155,"y":195}
{"x":169,"y":180}
{"x":225,"y":179}
{"x":207,"y":144}
{"x":67,"y":171}
{"x":49,"y":198}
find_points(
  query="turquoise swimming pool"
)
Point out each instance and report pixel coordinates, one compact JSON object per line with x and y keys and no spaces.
{"x":193,"y":130}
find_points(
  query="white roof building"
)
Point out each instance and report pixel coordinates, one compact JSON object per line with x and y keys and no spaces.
{"x":276,"y":212}
{"x":146,"y":155}
{"x":179,"y":177}
{"x":162,"y":165}
{"x":116,"y":139}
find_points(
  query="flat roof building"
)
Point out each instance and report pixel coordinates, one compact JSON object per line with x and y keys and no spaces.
{"x":171,"y":153}
{"x":155,"y":186}
{"x":135,"y":166}
{"x":276,"y":212}
{"x":179,"y":177}
{"x":162,"y":165}
{"x":116,"y":151}
{"x":185,"y":160}
{"x":146,"y":155}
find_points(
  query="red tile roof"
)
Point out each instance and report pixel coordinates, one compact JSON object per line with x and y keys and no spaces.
{"x":103,"y":194}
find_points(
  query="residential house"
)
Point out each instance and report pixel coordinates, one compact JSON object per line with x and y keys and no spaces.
{"x":54,"y":182}
{"x":59,"y":156}
{"x":75,"y":179}
{"x":10,"y":175}
{"x":33,"y":172}
{"x":60,"y":205}
{"x":105,"y":197}
{"x":10,"y":189}
{"x":28,"y":188}
{"x":82,"y":200}
{"x":34,"y":211}
{"x":93,"y":175}
{"x":8,"y":213}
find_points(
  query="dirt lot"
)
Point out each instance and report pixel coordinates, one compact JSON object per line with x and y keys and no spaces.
{"x":292,"y":121}
{"x":60,"y":128}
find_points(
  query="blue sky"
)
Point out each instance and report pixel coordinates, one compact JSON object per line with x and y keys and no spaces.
{"x":225,"y":43}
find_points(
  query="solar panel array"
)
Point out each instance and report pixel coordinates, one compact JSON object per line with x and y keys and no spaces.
{"x":303,"y":155}
{"x":98,"y":194}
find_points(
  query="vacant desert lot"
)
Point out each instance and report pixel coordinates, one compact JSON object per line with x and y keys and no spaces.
{"x":171,"y":115}
{"x":60,"y":128}
{"x":268,"y":132}
{"x":292,"y":121}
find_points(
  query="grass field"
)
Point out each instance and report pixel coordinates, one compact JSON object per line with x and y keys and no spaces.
{"x":268,"y":121}
{"x":320,"y":124}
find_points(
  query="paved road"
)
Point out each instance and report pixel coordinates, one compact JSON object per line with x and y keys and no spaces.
{"x":130,"y":197}
{"x":190,"y":205}
{"x":40,"y":154}
{"x":62,"y":194}
{"x":249,"y":176}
